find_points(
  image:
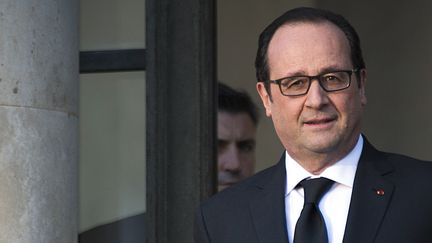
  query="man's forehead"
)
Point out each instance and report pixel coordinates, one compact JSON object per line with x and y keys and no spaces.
{"x":297,"y":32}
{"x":229,"y":116}
{"x":235,"y":126}
{"x":297,"y":46}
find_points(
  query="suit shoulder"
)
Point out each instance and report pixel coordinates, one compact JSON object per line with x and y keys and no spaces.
{"x":410,"y":170}
{"x":236,"y":204}
{"x":243,"y":191}
{"x":400,"y":160}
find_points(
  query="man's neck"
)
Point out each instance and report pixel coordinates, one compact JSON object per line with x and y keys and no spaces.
{"x":316,"y":163}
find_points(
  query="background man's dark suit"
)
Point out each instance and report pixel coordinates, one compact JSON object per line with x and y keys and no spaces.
{"x":391,"y":203}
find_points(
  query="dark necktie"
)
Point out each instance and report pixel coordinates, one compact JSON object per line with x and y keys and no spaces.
{"x":310,"y":227}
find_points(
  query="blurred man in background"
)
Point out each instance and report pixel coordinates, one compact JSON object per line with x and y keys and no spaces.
{"x":237,"y":123}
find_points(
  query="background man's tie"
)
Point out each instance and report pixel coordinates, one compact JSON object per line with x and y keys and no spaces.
{"x":310,"y":227}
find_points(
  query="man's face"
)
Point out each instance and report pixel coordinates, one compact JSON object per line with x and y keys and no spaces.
{"x":236,"y":148}
{"x":317,"y":126}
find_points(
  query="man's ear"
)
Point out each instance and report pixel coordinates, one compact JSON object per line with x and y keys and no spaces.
{"x":362,"y":85}
{"x":265,"y":97}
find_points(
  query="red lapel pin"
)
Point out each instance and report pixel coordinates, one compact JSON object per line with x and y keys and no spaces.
{"x":380,"y":192}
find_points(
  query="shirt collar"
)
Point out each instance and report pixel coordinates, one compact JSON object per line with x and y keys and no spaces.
{"x":342,"y":172}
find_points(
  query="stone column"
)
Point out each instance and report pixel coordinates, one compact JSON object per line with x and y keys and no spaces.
{"x":38,"y":121}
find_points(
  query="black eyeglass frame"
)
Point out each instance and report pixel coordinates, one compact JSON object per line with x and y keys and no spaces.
{"x":318,"y":78}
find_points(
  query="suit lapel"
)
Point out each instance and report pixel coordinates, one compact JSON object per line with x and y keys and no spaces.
{"x":370,"y":197}
{"x":268,"y":208}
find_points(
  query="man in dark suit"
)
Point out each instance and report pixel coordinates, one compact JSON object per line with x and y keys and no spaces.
{"x":331,"y":185}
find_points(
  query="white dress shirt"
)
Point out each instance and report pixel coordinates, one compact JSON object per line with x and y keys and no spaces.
{"x":334,"y":204}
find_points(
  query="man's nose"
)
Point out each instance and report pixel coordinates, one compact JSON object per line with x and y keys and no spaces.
{"x":316,"y":96}
{"x":231,"y":160}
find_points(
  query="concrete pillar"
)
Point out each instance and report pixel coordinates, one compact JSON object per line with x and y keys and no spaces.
{"x":38,"y":121}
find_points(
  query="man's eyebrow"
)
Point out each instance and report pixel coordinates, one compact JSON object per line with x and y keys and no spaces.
{"x":294,"y":74}
{"x":322,"y":71}
{"x":332,"y":69}
{"x":250,"y":140}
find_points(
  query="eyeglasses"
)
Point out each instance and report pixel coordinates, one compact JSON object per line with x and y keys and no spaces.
{"x":330,"y":82}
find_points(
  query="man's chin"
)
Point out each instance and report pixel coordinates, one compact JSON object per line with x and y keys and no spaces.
{"x":222,"y":186}
{"x":322,"y":144}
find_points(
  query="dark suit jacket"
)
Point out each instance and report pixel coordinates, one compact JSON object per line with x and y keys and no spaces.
{"x":254,"y":211}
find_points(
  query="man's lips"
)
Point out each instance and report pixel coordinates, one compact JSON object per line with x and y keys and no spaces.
{"x":319,"y":121}
{"x":227,"y":183}
{"x":227,"y":179}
